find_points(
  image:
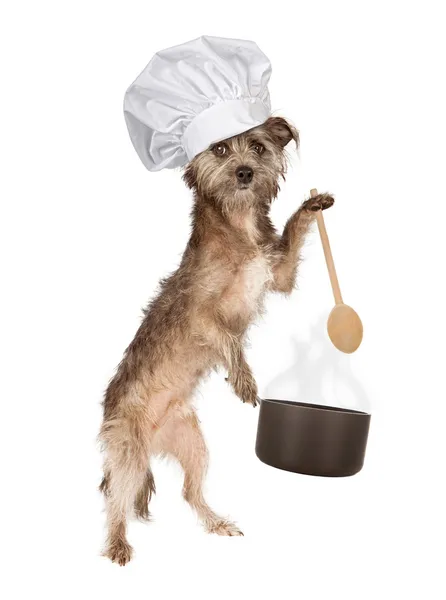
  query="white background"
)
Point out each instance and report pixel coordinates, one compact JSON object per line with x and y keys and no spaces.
{"x":87,"y":232}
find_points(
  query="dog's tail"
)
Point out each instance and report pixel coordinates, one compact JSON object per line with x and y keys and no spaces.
{"x":144,"y":496}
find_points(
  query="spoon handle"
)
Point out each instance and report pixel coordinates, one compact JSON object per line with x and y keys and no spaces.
{"x":328,"y":255}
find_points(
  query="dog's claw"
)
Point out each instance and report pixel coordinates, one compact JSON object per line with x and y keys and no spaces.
{"x":253,"y":403}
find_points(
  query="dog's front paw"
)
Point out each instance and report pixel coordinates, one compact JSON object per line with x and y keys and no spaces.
{"x":251,"y":398}
{"x":319,"y":202}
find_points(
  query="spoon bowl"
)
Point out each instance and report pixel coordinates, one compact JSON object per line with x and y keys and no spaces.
{"x":344,"y":328}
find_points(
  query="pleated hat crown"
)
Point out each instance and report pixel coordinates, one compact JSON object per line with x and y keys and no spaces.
{"x":193,"y":95}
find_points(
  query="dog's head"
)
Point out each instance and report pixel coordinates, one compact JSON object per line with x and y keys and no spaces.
{"x":243,"y":170}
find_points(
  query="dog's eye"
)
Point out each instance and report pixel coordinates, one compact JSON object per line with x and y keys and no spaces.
{"x":259,"y":148}
{"x":219,"y":149}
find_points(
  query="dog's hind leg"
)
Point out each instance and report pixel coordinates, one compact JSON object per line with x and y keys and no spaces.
{"x":181,"y":438}
{"x":126,"y":441}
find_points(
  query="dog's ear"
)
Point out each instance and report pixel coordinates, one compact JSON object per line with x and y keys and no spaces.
{"x":189,"y":176}
{"x":281,"y":131}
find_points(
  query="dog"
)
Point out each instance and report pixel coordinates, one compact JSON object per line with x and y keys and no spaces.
{"x":198,"y":322}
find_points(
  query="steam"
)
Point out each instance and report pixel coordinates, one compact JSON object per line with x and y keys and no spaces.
{"x":319,"y":374}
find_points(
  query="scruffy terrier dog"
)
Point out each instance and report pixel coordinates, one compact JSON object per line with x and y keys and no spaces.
{"x":198,"y":321}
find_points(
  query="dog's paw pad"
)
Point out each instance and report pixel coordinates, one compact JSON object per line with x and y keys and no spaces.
{"x":320,"y":202}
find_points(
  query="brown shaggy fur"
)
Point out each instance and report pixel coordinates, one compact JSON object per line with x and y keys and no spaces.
{"x":197,"y":322}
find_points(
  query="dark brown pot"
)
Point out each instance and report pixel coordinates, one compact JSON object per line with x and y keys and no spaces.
{"x":312,"y":439}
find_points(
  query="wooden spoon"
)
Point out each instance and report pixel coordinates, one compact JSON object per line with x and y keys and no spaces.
{"x":344,"y":325}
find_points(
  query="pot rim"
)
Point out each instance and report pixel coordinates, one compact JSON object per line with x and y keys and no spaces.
{"x":317,"y":407}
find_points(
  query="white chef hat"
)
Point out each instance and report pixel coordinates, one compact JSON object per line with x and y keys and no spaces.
{"x":193,"y":95}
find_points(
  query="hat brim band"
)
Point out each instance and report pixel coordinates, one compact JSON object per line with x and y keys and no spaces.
{"x":222,"y":121}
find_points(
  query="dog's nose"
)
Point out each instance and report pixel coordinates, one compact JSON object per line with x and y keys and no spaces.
{"x":244,"y":174}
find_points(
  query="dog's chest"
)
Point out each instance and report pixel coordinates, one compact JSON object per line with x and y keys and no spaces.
{"x":246,"y":291}
{"x":256,"y":276}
